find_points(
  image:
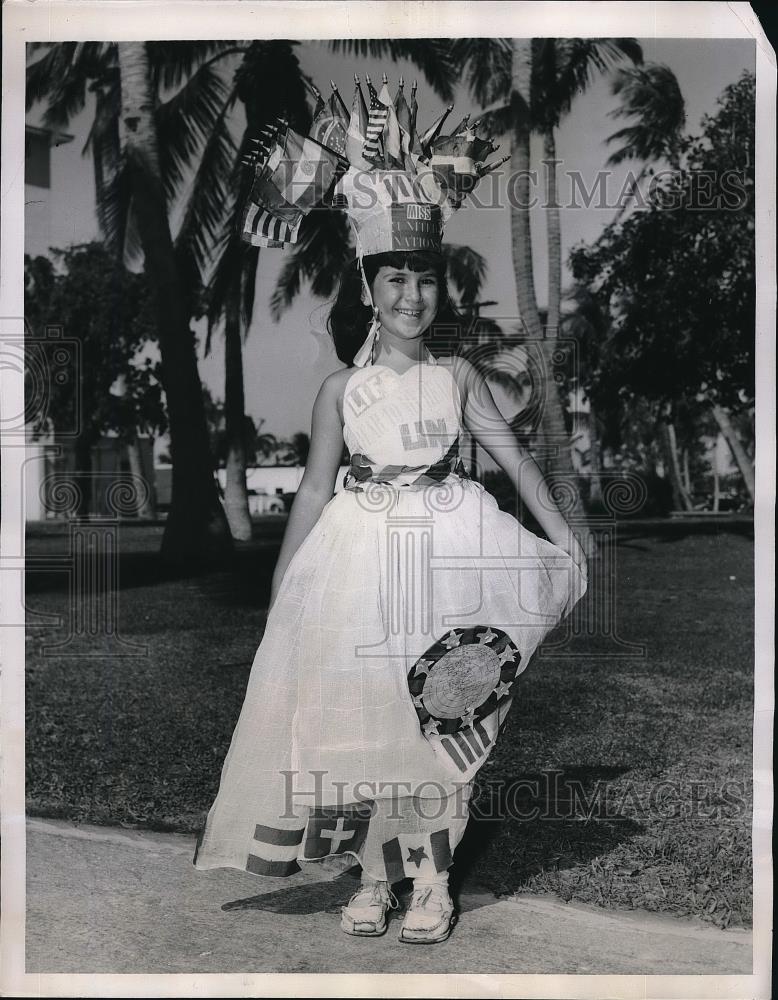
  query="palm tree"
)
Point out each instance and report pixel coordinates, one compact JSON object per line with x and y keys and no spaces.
{"x":651,"y":96}
{"x":528,"y":85}
{"x":135,"y":177}
{"x":197,"y":518}
{"x":562,"y":69}
{"x":269,"y":83}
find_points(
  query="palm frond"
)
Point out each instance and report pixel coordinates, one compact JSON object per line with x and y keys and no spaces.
{"x":487,"y":67}
{"x":173,"y":62}
{"x":466,"y":269}
{"x":652,"y":96}
{"x":188,"y":120}
{"x":432,"y":56}
{"x":322,"y":251}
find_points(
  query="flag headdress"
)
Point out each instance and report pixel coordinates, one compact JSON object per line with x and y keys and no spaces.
{"x":397,"y":185}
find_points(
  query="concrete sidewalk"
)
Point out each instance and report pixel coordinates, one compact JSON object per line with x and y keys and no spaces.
{"x":108,"y":900}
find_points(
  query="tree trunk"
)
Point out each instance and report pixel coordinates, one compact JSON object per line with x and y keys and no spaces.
{"x":554,"y":432}
{"x":553,"y":232}
{"x":681,"y":499}
{"x":83,"y":473}
{"x":735,"y":446}
{"x":146,"y":508}
{"x":716,"y":489}
{"x":687,"y":479}
{"x":196,"y":529}
{"x":595,"y":461}
{"x":236,"y":498}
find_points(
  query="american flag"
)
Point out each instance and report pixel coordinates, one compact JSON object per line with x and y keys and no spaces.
{"x":376,"y":122}
{"x":261,"y":228}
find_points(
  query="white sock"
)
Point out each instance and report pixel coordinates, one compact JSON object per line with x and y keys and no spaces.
{"x":441,"y":878}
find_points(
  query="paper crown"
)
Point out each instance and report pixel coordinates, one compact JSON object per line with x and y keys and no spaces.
{"x":397,"y":186}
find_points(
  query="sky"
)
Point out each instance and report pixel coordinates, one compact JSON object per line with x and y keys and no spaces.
{"x":285,"y":362}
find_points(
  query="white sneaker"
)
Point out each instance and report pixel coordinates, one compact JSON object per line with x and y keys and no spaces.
{"x":365,"y":913}
{"x":430,"y":916}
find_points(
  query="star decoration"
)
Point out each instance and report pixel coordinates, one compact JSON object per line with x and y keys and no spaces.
{"x":487,"y":636}
{"x":417,"y":855}
{"x":451,"y":640}
{"x":502,"y":689}
{"x":505,"y":655}
{"x":468,"y":717}
{"x":418,"y":701}
{"x":422,"y":668}
{"x":431,"y":728}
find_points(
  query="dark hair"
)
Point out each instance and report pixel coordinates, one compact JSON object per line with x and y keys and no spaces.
{"x":349,"y":318}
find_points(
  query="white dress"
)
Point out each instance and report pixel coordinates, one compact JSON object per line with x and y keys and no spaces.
{"x":390,"y":656}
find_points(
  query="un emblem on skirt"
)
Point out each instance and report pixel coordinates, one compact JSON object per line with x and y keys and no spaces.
{"x":461,"y":690}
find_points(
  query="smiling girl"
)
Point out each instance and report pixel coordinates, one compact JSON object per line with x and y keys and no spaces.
{"x":402,"y":611}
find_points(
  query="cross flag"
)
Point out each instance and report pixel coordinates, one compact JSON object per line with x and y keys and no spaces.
{"x":422,"y":854}
{"x":337,"y":830}
{"x":392,"y":138}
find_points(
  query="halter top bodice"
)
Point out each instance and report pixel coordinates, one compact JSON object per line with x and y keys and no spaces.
{"x":402,"y":429}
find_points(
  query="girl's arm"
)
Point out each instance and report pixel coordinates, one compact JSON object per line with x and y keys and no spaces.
{"x":318,"y":482}
{"x":489,"y":428}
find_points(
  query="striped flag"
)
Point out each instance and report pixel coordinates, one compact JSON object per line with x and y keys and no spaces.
{"x":376,"y":122}
{"x":468,"y":747}
{"x":261,"y":228}
{"x":274,"y":851}
{"x":417,"y":854}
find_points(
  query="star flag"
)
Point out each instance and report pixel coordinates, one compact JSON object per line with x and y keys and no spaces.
{"x":412,"y":854}
{"x":376,"y":122}
{"x":335,"y":831}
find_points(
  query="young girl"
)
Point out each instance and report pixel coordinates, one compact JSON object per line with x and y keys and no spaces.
{"x":402,"y":611}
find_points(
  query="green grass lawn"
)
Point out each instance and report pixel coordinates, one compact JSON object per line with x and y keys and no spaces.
{"x":623,"y":776}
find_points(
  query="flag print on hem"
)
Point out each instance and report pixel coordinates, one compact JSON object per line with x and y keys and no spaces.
{"x":461,"y":688}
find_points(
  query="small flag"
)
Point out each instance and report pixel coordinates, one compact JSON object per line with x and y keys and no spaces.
{"x":376,"y":122}
{"x":403,"y":113}
{"x":417,"y":854}
{"x":302,"y":172}
{"x":330,"y":126}
{"x":392,"y":136}
{"x":415,"y":144}
{"x":261,"y":228}
{"x":355,"y":136}
{"x":433,"y":131}
{"x":274,"y":851}
{"x":470,"y":745}
{"x":362,"y":105}
{"x":335,"y":831}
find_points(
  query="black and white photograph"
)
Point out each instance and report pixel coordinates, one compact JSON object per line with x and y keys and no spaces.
{"x":387,"y":406}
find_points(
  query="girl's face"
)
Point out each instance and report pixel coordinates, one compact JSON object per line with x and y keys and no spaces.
{"x":407,"y":301}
